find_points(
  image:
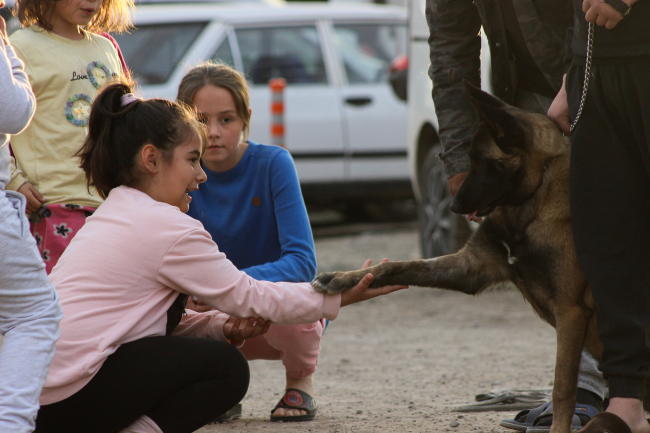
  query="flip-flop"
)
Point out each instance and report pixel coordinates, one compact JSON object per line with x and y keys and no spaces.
{"x":583,"y":414}
{"x":296,"y":399}
{"x":525,"y":418}
{"x":606,"y":422}
{"x":506,"y":401}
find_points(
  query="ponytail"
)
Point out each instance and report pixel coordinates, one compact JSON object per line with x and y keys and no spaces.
{"x":120,"y":125}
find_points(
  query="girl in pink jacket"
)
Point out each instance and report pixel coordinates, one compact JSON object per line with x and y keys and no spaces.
{"x":129,"y":358}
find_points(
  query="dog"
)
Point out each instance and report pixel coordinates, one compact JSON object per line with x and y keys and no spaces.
{"x":519,"y":182}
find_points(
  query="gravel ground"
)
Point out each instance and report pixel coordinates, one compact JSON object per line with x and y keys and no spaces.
{"x":402,"y":362}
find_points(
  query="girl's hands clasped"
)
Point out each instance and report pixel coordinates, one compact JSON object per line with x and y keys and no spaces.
{"x":363,"y":292}
{"x":237,"y":330}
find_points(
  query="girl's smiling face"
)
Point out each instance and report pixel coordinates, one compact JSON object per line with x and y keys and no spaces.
{"x":176,"y":178}
{"x":217,"y":110}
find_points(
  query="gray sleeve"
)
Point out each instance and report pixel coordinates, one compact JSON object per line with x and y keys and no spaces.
{"x":455,"y":49}
{"x":18,"y":101}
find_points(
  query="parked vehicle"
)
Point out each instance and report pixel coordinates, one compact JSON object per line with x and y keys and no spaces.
{"x":441,"y":231}
{"x":345,"y":127}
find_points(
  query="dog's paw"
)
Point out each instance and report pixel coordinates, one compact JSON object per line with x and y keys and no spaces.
{"x":329,"y":282}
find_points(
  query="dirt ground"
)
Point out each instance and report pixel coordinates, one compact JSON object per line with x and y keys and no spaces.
{"x":402,"y":362}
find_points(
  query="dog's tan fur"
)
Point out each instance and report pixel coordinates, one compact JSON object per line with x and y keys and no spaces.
{"x":525,"y":239}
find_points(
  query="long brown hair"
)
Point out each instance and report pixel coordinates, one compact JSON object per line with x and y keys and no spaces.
{"x":113,"y":16}
{"x":218,"y":75}
{"x":117,"y":133}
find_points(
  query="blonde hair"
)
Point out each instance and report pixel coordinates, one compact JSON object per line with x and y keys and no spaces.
{"x":218,"y":75}
{"x":113,"y":16}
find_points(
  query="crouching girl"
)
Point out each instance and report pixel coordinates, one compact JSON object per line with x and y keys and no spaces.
{"x":129,"y":358}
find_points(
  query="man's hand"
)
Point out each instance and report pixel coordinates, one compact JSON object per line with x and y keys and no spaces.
{"x":363,"y":292}
{"x":237,"y":330}
{"x":599,"y":12}
{"x":455,"y":182}
{"x":34,"y":198}
{"x":558,"y":112}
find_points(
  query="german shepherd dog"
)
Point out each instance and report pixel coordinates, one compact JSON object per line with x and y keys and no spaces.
{"x":519,"y":181}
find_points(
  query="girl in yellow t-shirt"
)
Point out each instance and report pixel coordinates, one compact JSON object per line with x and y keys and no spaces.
{"x":66,"y":63}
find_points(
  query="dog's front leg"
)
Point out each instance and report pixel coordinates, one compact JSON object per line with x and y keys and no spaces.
{"x":470,"y":270}
{"x":571,"y":325}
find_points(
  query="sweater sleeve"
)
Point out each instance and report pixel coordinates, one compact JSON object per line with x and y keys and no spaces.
{"x":205,"y":325}
{"x":194,"y":265}
{"x":298,"y":257}
{"x":18,"y":101}
{"x":455,"y":53}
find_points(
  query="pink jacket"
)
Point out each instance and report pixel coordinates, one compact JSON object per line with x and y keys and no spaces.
{"x":125,"y":267}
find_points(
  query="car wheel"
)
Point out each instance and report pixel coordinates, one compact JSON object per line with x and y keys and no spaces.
{"x":441,"y":231}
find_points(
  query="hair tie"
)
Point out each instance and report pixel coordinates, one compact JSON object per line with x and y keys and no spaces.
{"x":128,"y":98}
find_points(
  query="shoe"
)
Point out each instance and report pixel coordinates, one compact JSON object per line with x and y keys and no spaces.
{"x":525,"y":418}
{"x":582,"y":415}
{"x":296,"y":399}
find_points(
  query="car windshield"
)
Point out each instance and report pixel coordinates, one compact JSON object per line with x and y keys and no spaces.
{"x":153,"y":51}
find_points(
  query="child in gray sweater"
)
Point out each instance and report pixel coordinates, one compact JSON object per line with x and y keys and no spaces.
{"x":29,"y":306}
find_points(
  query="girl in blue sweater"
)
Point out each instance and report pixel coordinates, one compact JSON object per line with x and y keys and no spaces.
{"x":252,"y":206}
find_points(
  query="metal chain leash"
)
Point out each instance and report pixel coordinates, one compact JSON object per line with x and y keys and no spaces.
{"x":585,"y":86}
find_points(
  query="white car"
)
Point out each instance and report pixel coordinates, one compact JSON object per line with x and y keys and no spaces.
{"x":345,"y":127}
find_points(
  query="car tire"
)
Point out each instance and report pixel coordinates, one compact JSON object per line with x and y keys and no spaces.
{"x":441,"y":231}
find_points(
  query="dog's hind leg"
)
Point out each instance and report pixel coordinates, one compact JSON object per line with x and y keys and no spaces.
{"x":571,"y":325}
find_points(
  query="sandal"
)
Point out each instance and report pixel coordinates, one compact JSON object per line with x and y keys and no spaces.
{"x":525,"y":418}
{"x":583,"y":414}
{"x":506,"y":400}
{"x":296,"y":399}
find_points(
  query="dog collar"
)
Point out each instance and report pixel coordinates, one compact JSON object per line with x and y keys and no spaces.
{"x":548,"y":164}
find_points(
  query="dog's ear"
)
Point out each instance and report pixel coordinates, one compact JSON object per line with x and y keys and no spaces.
{"x":506,"y":130}
{"x":476,"y":94}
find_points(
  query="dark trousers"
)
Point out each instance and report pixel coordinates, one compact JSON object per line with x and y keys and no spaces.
{"x":181,"y":383}
{"x":610,"y":207}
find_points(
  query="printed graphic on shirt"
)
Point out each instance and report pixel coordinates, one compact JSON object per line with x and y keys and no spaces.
{"x":77,"y":108}
{"x":257,"y":201}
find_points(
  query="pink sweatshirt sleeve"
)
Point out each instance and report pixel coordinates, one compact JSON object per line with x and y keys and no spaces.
{"x":194,"y":265}
{"x":204,"y":325}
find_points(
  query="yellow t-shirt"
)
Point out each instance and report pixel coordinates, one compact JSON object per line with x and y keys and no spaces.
{"x":65,"y":76}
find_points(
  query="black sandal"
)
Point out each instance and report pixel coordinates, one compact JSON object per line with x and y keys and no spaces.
{"x":296,"y":399}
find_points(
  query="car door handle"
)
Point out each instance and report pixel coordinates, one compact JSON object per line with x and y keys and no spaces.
{"x":358,"y":100}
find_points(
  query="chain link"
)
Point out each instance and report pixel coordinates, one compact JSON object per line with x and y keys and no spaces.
{"x":585,"y":86}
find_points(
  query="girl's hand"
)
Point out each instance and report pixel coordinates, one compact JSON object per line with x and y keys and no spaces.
{"x":363,"y":292}
{"x":34,"y":198}
{"x":237,"y":330}
{"x":198,"y":306}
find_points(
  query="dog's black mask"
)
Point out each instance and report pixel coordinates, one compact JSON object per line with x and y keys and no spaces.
{"x":495,"y":159}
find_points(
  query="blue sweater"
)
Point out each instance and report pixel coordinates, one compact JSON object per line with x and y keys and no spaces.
{"x":256,"y":215}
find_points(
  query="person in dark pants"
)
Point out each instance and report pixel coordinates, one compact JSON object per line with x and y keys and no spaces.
{"x":527,"y":45}
{"x":610,"y":192}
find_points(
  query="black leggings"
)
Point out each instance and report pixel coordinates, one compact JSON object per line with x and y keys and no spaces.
{"x":610,"y":205}
{"x":181,"y":383}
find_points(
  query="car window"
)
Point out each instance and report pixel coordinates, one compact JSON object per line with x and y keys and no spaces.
{"x":293,"y":53}
{"x":153,"y":51}
{"x":367,"y":50}
{"x":223,"y":54}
